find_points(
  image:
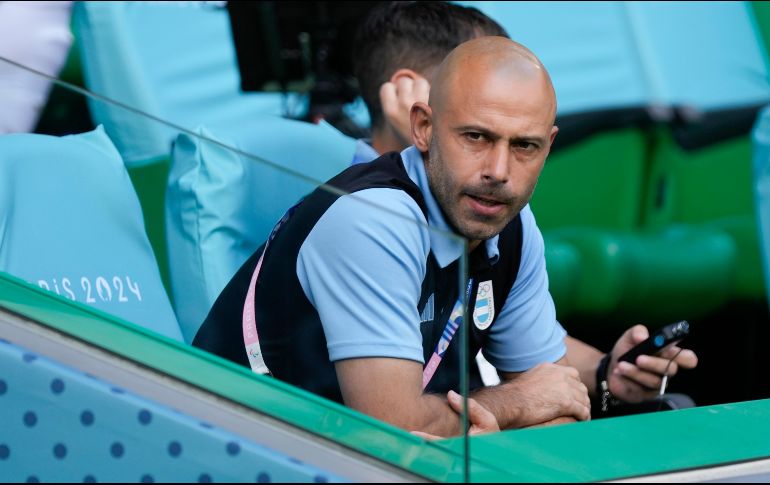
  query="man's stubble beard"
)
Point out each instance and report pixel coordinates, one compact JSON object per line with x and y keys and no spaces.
{"x":440,"y":183}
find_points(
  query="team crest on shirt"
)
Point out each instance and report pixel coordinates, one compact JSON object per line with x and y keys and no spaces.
{"x":484,"y":311}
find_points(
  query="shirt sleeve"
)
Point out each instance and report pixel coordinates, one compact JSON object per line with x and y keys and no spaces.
{"x":526,"y":332}
{"x":362,"y":268}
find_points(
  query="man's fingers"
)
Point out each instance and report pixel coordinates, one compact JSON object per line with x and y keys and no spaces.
{"x":583,"y":403}
{"x":389,"y":99}
{"x":421,"y":90}
{"x":686,"y":359}
{"x":668,"y":362}
{"x":639,"y":333}
{"x":427,"y":436}
{"x":634,"y":373}
{"x":580,"y":405}
{"x":404,"y":86}
{"x":657,"y":365}
{"x":478,"y":415}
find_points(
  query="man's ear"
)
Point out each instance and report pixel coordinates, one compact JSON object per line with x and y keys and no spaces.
{"x":421,"y":118}
{"x":554,"y":131}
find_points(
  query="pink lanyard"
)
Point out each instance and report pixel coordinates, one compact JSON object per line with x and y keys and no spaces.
{"x":250,"y":337}
{"x":249,"y":321}
{"x":454,"y":322}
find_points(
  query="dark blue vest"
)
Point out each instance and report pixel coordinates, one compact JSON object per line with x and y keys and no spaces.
{"x":290,"y":331}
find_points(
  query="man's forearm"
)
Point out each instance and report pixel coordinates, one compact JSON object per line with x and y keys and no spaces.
{"x":434,"y":416}
{"x":501,"y":401}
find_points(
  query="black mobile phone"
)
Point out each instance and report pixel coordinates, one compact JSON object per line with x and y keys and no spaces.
{"x":669,"y":334}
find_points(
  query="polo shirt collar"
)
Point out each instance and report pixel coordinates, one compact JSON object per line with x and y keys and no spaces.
{"x":445,"y":249}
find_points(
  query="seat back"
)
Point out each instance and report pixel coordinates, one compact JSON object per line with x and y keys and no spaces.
{"x":710,"y":188}
{"x":173,"y":60}
{"x":221,"y":205}
{"x":571,"y":175}
{"x":70,"y":222}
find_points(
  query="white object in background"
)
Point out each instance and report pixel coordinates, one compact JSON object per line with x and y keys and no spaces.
{"x":37,"y":35}
{"x":488,"y":372}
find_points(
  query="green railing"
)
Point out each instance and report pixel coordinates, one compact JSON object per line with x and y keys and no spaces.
{"x":591,"y":451}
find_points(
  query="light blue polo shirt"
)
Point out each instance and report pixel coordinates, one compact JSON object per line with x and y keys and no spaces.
{"x":362,"y":268}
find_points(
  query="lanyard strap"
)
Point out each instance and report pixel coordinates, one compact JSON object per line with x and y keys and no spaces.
{"x":249,"y":320}
{"x":454,"y":322}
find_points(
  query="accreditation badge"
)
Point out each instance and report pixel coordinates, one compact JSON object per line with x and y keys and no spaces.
{"x":484,"y":310}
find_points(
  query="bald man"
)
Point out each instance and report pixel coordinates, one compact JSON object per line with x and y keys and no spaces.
{"x":409,"y":40}
{"x":360,"y":304}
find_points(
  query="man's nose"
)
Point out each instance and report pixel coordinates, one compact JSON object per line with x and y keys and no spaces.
{"x":496,"y":164}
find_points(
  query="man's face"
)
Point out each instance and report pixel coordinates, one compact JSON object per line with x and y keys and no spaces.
{"x":488,"y":145}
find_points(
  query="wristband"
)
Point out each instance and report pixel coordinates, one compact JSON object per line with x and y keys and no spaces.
{"x":603,"y":386}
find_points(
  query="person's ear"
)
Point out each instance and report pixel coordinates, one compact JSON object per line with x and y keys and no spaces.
{"x":554,"y":131}
{"x":404,"y":73}
{"x":421,"y":118}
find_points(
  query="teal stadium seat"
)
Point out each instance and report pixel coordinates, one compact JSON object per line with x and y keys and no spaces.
{"x":173,"y":60}
{"x":221,"y":205}
{"x":70,"y":222}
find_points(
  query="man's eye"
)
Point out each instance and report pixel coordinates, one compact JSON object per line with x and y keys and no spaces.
{"x":525,"y":145}
{"x":474,"y":136}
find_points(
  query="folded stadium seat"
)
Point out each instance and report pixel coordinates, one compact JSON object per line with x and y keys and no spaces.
{"x":761,"y":186}
{"x":652,"y":277}
{"x":175,"y":61}
{"x":710,"y":187}
{"x":562,"y":261}
{"x":221,"y":205}
{"x":70,"y":222}
{"x":571,"y":192}
{"x":624,"y":272}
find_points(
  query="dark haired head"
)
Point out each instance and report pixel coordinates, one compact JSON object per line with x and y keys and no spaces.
{"x":411,"y":35}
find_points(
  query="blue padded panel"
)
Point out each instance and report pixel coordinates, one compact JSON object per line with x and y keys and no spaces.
{"x":221,"y":206}
{"x":702,"y":54}
{"x":174,"y":60}
{"x":60,"y":425}
{"x":70,"y":222}
{"x":619,"y":54}
{"x":584,"y":45}
{"x":761,"y":140}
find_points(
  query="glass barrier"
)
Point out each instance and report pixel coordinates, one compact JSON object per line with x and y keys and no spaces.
{"x":153,"y":237}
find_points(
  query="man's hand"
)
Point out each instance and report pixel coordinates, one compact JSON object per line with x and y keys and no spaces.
{"x":542,"y":394}
{"x":397,"y":96}
{"x":481,"y":420}
{"x":555,"y":422}
{"x":641,"y":382}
